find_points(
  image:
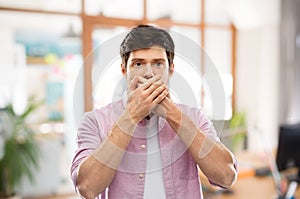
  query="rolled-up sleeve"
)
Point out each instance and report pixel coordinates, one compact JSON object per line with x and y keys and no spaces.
{"x":206,"y":126}
{"x":88,"y":139}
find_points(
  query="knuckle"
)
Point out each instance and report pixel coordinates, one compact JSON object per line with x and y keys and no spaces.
{"x":153,"y":85}
{"x":143,"y":95}
{"x":147,"y":101}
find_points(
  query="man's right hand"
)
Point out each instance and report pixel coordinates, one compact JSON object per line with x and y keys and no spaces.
{"x":144,"y":98}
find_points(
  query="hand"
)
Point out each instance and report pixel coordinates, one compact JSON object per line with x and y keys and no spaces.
{"x":161,"y":108}
{"x":144,"y":96}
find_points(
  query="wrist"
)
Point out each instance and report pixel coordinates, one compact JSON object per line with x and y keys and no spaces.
{"x":174,"y":117}
{"x":171,"y":110}
{"x":127,"y":123}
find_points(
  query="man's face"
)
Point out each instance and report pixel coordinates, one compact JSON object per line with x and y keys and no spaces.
{"x":147,"y":63}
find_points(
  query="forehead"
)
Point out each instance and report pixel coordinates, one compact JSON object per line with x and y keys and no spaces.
{"x":154,"y":52}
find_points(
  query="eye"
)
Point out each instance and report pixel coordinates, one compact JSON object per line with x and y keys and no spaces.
{"x":158,"y":64}
{"x":137,"y":64}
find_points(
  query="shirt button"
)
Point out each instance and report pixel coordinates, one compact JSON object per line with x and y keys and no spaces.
{"x":141,"y":175}
{"x":143,"y":146}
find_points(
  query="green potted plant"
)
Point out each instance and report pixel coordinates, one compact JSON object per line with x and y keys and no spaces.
{"x":20,"y":150}
{"x":238,"y":126}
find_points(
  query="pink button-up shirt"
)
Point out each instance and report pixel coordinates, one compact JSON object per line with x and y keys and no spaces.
{"x":180,"y":173}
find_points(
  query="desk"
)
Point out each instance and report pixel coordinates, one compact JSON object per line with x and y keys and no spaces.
{"x":250,"y":186}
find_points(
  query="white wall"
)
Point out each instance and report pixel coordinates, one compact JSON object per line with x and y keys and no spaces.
{"x":258,"y":75}
{"x":7,"y":48}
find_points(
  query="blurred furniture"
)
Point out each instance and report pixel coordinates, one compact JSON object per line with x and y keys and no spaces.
{"x":51,"y":176}
{"x":250,"y":188}
{"x":288,"y":152}
{"x":248,"y":185}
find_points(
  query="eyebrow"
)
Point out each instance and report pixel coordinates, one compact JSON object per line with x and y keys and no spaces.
{"x":136,"y":59}
{"x":140,"y":59}
{"x":161,"y":60}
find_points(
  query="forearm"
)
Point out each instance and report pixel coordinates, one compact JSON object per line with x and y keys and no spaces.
{"x":97,"y":171}
{"x":214,"y":159}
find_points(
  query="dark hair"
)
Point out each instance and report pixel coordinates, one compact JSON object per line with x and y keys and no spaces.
{"x":145,"y":36}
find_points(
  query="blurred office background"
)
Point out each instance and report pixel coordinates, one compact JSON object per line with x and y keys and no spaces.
{"x":45,"y":51}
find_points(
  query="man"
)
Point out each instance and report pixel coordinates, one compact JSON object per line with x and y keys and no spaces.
{"x":145,"y":145}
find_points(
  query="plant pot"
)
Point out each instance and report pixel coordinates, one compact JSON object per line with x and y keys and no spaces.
{"x":11,"y":197}
{"x":14,"y":197}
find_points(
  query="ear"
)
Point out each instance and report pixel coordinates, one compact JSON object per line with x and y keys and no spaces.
{"x":123,"y":69}
{"x":171,"y":70}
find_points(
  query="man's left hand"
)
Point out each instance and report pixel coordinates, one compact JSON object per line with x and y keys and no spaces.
{"x":161,"y":109}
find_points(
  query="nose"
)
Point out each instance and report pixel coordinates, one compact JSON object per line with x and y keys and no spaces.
{"x":149,"y":72}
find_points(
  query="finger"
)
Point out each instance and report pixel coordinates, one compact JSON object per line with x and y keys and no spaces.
{"x":168,"y":96}
{"x":157,"y":92}
{"x":139,"y":85}
{"x":152,"y":80}
{"x":133,"y":84}
{"x":155,"y":89}
{"x":160,"y":97}
{"x":142,"y":80}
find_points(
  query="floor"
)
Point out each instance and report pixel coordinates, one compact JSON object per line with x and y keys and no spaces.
{"x":63,"y":196}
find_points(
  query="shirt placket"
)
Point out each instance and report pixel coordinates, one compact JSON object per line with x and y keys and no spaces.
{"x":165,"y":154}
{"x":142,"y":149}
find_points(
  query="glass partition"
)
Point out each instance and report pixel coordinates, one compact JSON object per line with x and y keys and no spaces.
{"x":216,"y":12}
{"x":128,"y":9}
{"x":68,"y":6}
{"x":181,"y":11}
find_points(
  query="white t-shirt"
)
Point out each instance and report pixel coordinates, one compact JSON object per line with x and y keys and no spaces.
{"x":154,"y":182}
